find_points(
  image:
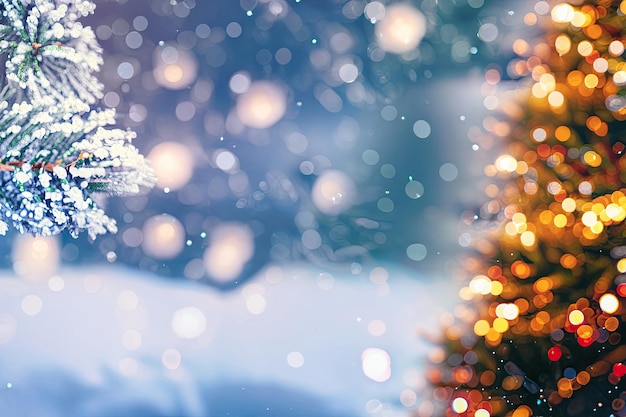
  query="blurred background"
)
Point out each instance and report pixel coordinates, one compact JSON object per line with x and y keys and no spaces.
{"x":316,"y":161}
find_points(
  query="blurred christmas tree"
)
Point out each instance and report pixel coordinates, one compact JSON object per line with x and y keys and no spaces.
{"x":547,"y":283}
{"x":55,"y":149}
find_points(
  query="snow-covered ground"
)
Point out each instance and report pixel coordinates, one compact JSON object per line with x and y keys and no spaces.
{"x":293,"y":341}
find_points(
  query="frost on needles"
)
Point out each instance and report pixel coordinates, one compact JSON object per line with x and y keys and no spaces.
{"x":56,"y":150}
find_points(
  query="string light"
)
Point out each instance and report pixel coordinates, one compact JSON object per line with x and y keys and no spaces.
{"x":556,"y":326}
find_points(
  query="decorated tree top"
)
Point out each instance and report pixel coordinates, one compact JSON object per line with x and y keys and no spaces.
{"x":56,"y":150}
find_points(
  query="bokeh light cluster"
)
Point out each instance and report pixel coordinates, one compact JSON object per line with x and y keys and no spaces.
{"x":547,"y":277}
{"x":315,"y":124}
{"x":327,"y":131}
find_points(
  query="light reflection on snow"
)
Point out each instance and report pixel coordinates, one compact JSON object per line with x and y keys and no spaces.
{"x":376,"y":364}
{"x":32,"y":305}
{"x":128,"y":367}
{"x":295,"y":359}
{"x":127,"y":300}
{"x":281,"y":328}
{"x":131,"y":339}
{"x":171,"y":359}
{"x":189,"y":323}
{"x":376,"y":327}
{"x":256,"y":304}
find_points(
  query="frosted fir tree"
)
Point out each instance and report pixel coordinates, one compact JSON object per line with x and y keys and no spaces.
{"x":56,"y":150}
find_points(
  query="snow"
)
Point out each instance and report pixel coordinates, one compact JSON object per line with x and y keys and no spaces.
{"x":109,"y":341}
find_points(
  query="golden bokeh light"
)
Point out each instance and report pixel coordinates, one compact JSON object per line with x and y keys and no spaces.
{"x":401,"y":29}
{"x":172,"y":163}
{"x":262,"y":105}
{"x":163,"y":236}
{"x":230,"y":247}
{"x":175,"y":68}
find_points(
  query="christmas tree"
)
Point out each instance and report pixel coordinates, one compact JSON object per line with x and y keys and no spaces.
{"x":543,"y":335}
{"x":57,"y":150}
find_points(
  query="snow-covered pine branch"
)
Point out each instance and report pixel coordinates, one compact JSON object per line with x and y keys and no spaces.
{"x":55,"y":149}
{"x":50,"y":53}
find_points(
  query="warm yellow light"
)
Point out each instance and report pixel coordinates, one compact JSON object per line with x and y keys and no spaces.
{"x":584,"y":331}
{"x":543,"y":318}
{"x":173,"y":164}
{"x":36,"y":257}
{"x":401,"y":29}
{"x":231,"y":247}
{"x":585,"y":48}
{"x":556,"y":99}
{"x":500,"y":325}
{"x":597,"y":228}
{"x":163,"y":236}
{"x":560,"y":220}
{"x":581,"y":19}
{"x":542,"y":285}
{"x":574,"y":78}
{"x":481,"y":412}
{"x":539,"y":91}
{"x":262,"y":105}
{"x":173,"y":73}
{"x":563,"y":44}
{"x":523,"y":411}
{"x":546,"y":217}
{"x":466,"y":294}
{"x":562,"y":133}
{"x":576,"y":317}
{"x":527,"y":238}
{"x":591,"y":81}
{"x":609,"y":303}
{"x":174,"y":68}
{"x":562,"y":13}
{"x":493,"y":338}
{"x":569,"y":205}
{"x":506,"y":163}
{"x":592,"y":158}
{"x":496,"y":288}
{"x":510,"y":229}
{"x":480,"y":284}
{"x":589,"y":218}
{"x":519,"y":218}
{"x":548,"y":82}
{"x":508,"y":311}
{"x":459,"y":405}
